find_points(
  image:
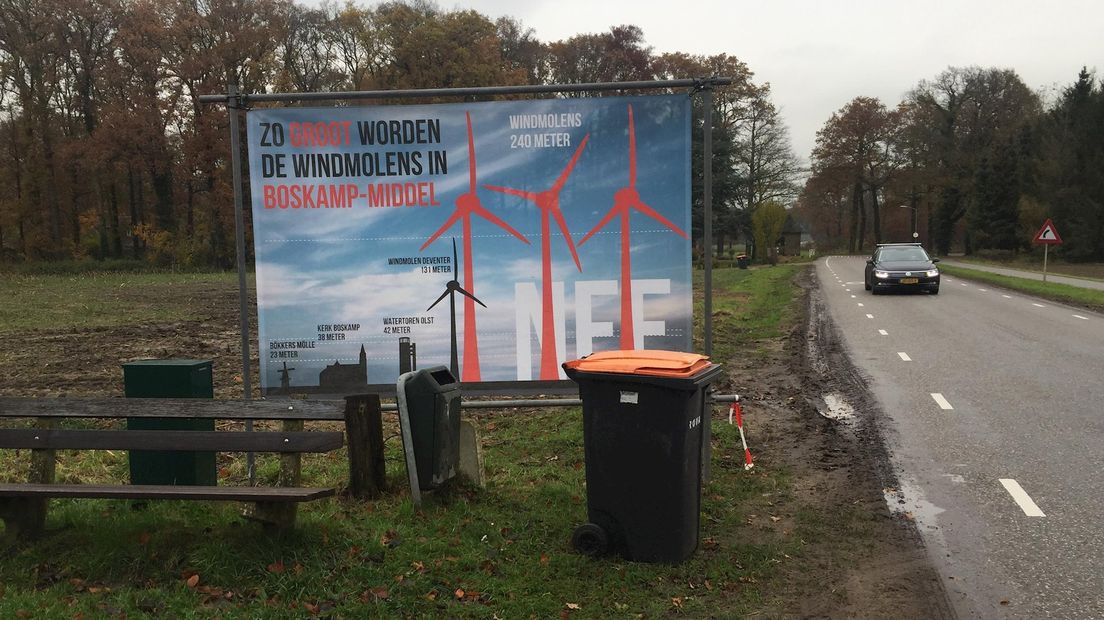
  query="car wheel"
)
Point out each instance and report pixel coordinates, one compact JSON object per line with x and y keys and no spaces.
{"x":866,"y":285}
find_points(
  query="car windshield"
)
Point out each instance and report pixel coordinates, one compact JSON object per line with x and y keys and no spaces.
{"x":902,"y":254}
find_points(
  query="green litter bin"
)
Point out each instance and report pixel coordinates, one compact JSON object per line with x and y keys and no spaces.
{"x":429,"y":399}
{"x":170,"y":379}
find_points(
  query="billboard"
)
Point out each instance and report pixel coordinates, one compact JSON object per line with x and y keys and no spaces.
{"x":511,"y":236}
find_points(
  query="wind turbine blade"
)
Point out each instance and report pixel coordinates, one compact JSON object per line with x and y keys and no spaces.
{"x":443,"y":295}
{"x":440,"y":231}
{"x":567,"y":235}
{"x":513,"y":192}
{"x":599,"y":225}
{"x":467,"y":294}
{"x":471,"y":155}
{"x":455,"y":262}
{"x":494,"y":219}
{"x":652,"y":213}
{"x":632,"y":149}
{"x":570,"y":166}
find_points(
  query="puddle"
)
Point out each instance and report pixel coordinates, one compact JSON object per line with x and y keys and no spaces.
{"x":909,"y":502}
{"x":836,"y":408}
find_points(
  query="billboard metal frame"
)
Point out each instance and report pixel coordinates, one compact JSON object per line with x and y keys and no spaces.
{"x":236,"y":101}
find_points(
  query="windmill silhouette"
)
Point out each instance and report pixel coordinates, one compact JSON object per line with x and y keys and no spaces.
{"x":624,"y":201}
{"x":549,"y":203}
{"x":467,"y":204}
{"x":451,"y":288}
{"x":285,"y":378}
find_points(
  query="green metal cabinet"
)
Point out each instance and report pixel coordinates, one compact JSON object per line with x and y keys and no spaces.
{"x":170,"y":379}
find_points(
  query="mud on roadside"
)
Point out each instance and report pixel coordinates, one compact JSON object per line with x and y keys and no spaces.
{"x":808,"y":410}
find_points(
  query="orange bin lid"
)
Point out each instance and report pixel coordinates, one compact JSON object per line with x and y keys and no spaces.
{"x":651,"y":362}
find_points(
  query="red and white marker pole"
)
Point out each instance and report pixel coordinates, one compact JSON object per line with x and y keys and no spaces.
{"x":734,"y":410}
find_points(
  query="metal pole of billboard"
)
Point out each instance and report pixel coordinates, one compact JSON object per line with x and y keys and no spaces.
{"x":476,"y":91}
{"x":707,"y":214}
{"x":233,"y":103}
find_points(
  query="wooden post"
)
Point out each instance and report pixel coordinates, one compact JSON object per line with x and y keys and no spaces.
{"x":364,"y":431}
{"x":43,"y":469}
{"x":280,"y":516}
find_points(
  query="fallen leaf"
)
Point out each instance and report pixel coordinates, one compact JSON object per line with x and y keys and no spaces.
{"x":143,"y":538}
{"x":193,"y":581}
{"x":459,"y":594}
{"x":574,"y":606}
{"x":380,"y":592}
{"x":1004,"y":602}
{"x":544,"y":559}
{"x":390,"y":539}
{"x":677,"y":602}
{"x":276,"y":567}
{"x":312,"y":609}
{"x":431,"y":595}
{"x":775,"y":519}
{"x":297,"y":568}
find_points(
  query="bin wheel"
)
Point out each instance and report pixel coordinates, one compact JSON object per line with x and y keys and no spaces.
{"x":590,"y":540}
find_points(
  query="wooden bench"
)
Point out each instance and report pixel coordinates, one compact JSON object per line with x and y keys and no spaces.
{"x":23,"y":506}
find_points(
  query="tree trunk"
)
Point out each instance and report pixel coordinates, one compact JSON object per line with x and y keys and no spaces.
{"x":853,"y":224}
{"x":862,"y":220}
{"x":135,"y":188}
{"x":876,"y":211}
{"x":115,"y":239}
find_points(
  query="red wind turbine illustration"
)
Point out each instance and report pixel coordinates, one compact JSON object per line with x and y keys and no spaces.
{"x":467,"y":204}
{"x":624,"y":201}
{"x":549,"y":203}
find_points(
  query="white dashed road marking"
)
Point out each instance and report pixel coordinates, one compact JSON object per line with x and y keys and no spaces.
{"x":1083,"y":318}
{"x":1038,"y":305}
{"x":860,"y":304}
{"x":870,"y":316}
{"x":904,"y":356}
{"x":1006,"y":296}
{"x":942,"y":402}
{"x":1022,"y":498}
{"x":883,"y":332}
{"x":983,"y":290}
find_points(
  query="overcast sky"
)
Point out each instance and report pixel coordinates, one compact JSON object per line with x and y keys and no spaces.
{"x":818,"y":55}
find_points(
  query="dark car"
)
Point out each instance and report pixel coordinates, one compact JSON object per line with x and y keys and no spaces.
{"x":901,"y":266}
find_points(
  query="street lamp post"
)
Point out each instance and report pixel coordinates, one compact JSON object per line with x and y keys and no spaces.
{"x":915,"y":235}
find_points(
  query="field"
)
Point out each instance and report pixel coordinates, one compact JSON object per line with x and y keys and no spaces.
{"x":806,"y":532}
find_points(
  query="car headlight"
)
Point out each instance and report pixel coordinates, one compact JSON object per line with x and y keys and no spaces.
{"x":932,"y":273}
{"x":881,"y":274}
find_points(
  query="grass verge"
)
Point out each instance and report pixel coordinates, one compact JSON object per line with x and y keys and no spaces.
{"x":1065,"y":293}
{"x":502,"y":551}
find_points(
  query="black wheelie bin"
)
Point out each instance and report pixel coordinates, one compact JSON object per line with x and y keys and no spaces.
{"x":645,"y":416}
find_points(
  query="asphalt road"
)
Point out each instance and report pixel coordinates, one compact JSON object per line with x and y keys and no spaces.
{"x":995,"y":409}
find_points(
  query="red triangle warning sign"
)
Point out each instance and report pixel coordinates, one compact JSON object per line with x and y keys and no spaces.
{"x":1048,"y":234}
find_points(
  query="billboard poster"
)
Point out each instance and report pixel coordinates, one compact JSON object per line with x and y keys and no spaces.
{"x":510,"y":236}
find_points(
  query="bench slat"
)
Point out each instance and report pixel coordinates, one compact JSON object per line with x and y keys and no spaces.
{"x":203,"y":441}
{"x":275,"y":409}
{"x":146,"y":491}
